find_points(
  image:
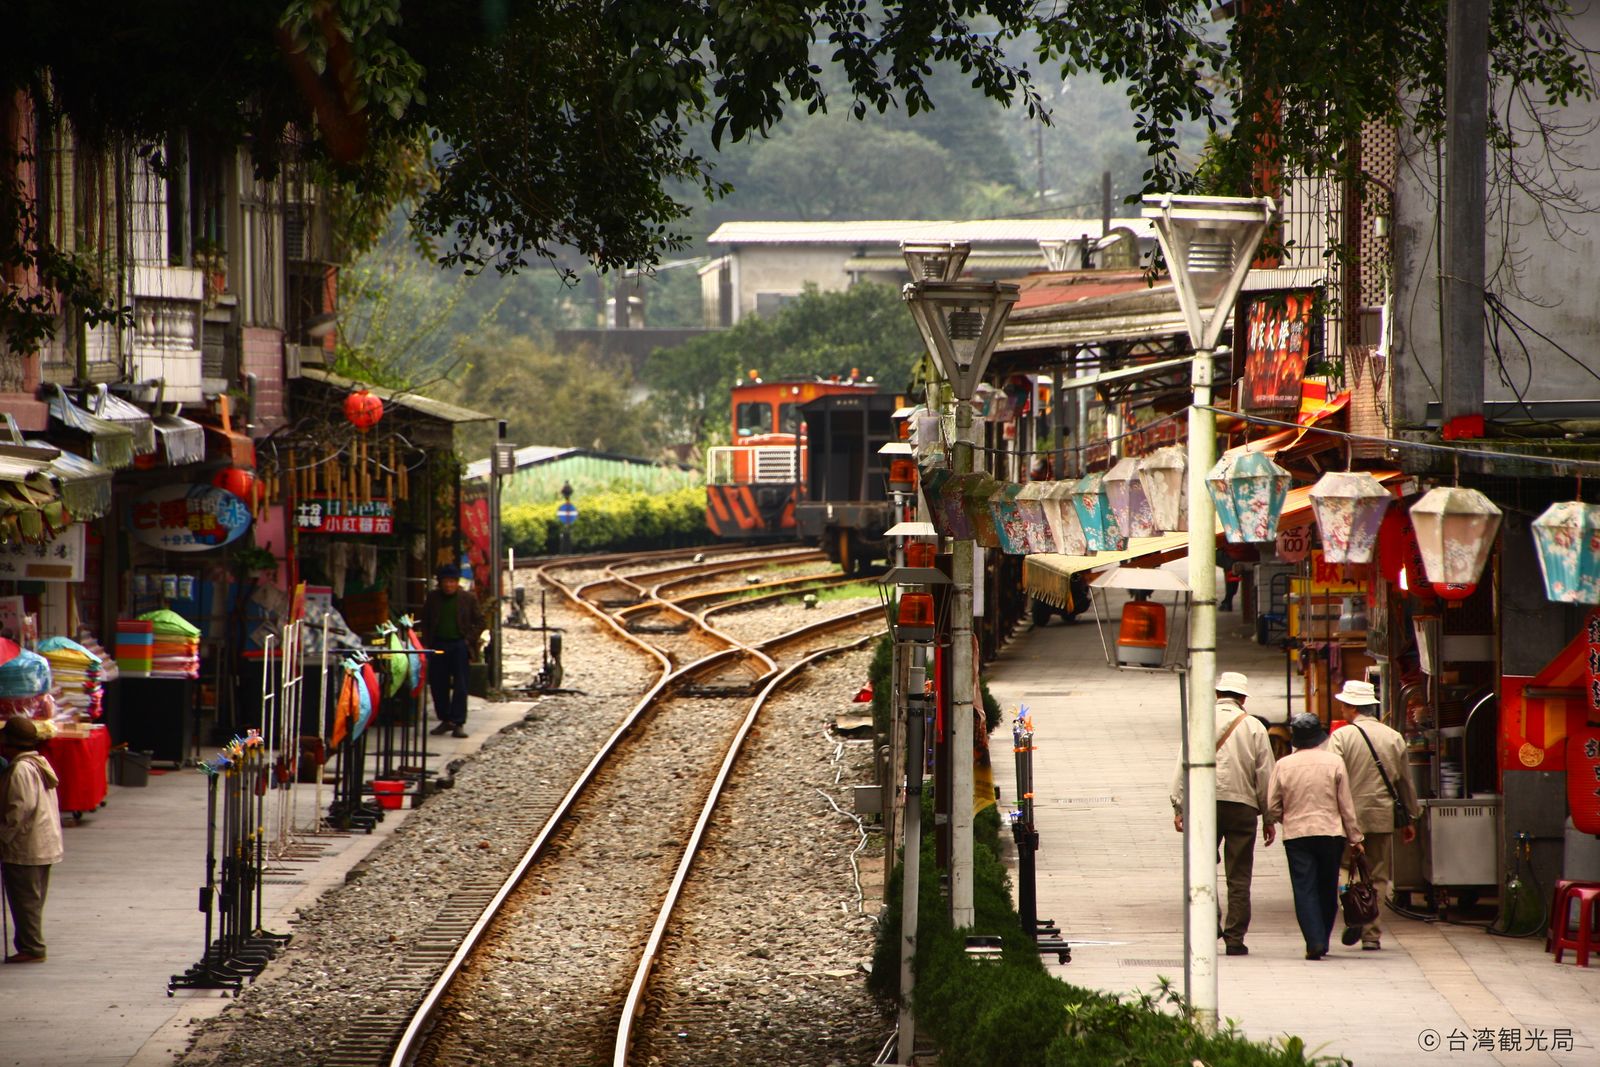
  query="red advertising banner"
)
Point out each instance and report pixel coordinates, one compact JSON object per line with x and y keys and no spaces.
{"x":475,"y":528}
{"x":1277,"y":345}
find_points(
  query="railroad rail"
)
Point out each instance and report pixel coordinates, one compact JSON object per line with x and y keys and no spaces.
{"x":709,"y":692}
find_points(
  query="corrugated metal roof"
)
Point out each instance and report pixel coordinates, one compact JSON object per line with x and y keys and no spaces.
{"x":1019,"y":261}
{"x":527,"y":456}
{"x":422,"y":405}
{"x":893,"y":231}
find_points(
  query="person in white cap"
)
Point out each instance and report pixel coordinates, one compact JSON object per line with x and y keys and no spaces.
{"x":1244,"y":767}
{"x":1375,"y":760}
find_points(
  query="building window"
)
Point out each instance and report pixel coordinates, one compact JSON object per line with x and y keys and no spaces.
{"x":753,"y":419}
{"x":769,"y":304}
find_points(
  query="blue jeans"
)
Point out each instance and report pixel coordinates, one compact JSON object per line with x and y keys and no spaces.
{"x":447,"y":679}
{"x":1314,"y":874}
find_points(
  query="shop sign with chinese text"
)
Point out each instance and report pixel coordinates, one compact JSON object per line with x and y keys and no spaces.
{"x":1277,"y":346}
{"x":188,"y":518}
{"x":344,"y":516}
{"x":60,"y":560}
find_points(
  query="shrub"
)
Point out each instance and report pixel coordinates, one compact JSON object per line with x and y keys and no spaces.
{"x":1012,"y":1011}
{"x":611,"y":522}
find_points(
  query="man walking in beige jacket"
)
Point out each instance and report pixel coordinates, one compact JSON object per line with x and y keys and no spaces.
{"x":1244,"y":767}
{"x":1365,"y":745}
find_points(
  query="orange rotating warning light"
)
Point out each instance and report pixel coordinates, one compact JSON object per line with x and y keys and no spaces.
{"x":914,"y":619}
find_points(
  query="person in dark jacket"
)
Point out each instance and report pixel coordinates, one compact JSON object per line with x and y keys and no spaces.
{"x":451,"y":626}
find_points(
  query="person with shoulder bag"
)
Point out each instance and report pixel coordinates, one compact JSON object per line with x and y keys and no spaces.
{"x":1374,"y":756}
{"x":1244,"y":764}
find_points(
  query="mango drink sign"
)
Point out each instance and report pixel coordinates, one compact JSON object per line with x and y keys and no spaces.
{"x":188,"y":518}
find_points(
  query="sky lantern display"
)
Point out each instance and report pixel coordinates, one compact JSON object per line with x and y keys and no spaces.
{"x":1349,"y":507}
{"x":1456,"y":528}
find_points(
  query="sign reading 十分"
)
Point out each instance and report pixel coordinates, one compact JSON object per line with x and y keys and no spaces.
{"x":344,"y":516}
{"x":188,"y":518}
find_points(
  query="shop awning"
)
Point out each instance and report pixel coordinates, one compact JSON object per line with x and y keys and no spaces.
{"x":182,"y":440}
{"x":111,"y":442}
{"x":85,"y":486}
{"x":422,"y":405}
{"x":30,"y":508}
{"x":113,"y":408}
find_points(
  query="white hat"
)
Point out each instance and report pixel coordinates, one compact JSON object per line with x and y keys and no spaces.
{"x":1235,"y":682}
{"x":1358,"y":694}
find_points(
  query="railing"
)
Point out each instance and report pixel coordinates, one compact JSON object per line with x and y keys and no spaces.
{"x":742,"y":464}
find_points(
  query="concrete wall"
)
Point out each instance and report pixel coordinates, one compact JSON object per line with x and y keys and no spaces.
{"x":1547,"y":278}
{"x":785,"y":269}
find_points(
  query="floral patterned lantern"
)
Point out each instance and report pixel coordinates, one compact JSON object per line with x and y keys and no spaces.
{"x":1163,"y":473}
{"x":975,"y":502}
{"x":1567,"y":537}
{"x":1456,"y":529}
{"x":1036,"y":524}
{"x":1100,"y":529}
{"x":1248,"y":491}
{"x":1349,"y":506}
{"x":1062,"y":515}
{"x":949,"y":516}
{"x":1128,"y":500}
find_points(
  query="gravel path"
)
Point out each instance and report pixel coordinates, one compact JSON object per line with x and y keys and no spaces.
{"x":766,"y":962}
{"x":346,"y":944}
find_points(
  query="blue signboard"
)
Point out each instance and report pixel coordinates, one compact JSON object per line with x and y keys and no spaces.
{"x":567,"y":514}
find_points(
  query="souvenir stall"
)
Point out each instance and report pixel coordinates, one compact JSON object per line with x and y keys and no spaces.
{"x":52,"y":666}
{"x":371,"y":485}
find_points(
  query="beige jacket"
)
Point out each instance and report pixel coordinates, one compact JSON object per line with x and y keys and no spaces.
{"x":1310,"y":794}
{"x":30,"y":820}
{"x":1244,"y":762}
{"x":1374,"y":806}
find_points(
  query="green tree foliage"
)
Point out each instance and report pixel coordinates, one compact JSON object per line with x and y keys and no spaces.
{"x":565,"y":124}
{"x":864,"y":328}
{"x":550,"y":398}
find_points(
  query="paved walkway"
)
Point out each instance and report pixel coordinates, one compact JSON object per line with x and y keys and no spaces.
{"x":1110,"y":874}
{"x":122,"y":917}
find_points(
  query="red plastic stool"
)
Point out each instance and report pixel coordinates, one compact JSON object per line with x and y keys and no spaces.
{"x":1560,"y":907}
{"x":1588,"y":898}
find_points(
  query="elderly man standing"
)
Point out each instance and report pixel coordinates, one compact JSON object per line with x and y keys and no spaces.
{"x":1375,"y":759}
{"x":30,"y":833}
{"x":1244,"y":767}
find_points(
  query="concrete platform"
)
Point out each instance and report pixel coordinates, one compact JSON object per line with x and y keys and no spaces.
{"x":122,"y":916}
{"x":1110,"y":875}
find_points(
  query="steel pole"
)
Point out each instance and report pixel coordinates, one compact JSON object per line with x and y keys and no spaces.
{"x":1200,"y":768}
{"x":911,"y":861}
{"x":961,"y":699}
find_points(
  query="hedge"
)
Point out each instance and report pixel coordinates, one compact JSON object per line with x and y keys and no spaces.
{"x":610,"y":522}
{"x":879,"y":673}
{"x":1012,"y":1011}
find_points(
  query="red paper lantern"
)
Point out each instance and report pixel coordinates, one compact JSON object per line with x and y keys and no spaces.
{"x":238,"y":481}
{"x":363,"y":410}
{"x":1453,"y":590}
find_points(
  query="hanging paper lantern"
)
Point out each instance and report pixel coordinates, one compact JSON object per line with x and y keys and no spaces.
{"x":1035,"y":524}
{"x":363,"y":409}
{"x":1457,"y":591}
{"x":1062,"y":515}
{"x":1100,"y":529}
{"x":238,"y":481}
{"x":1250,"y":492}
{"x":1128,"y":500}
{"x":1567,"y":537}
{"x":1163,"y":475}
{"x":1349,"y":506}
{"x":1456,"y":528}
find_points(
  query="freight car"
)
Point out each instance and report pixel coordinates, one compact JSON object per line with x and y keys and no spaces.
{"x":752,"y":484}
{"x":845,"y":506}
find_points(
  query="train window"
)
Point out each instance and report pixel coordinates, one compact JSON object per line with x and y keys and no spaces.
{"x":753,"y":419}
{"x":789,"y":420}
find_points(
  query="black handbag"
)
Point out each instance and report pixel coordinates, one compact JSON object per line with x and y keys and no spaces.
{"x":1360,"y":897}
{"x":1402,"y":814}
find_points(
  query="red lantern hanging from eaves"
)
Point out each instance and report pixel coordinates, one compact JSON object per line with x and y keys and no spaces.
{"x":238,"y":481}
{"x":363,"y":410}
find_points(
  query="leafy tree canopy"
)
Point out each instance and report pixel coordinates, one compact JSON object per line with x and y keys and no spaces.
{"x":566,"y":123}
{"x":864,"y":329}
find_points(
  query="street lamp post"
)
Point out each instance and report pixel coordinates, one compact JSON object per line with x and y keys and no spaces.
{"x":1208,"y":242}
{"x":960,"y":323}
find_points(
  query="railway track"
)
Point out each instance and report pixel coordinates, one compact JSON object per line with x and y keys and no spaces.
{"x":607,"y":860}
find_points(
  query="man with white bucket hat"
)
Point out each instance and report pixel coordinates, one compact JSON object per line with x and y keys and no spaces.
{"x":1375,"y":760}
{"x":1244,"y":767}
